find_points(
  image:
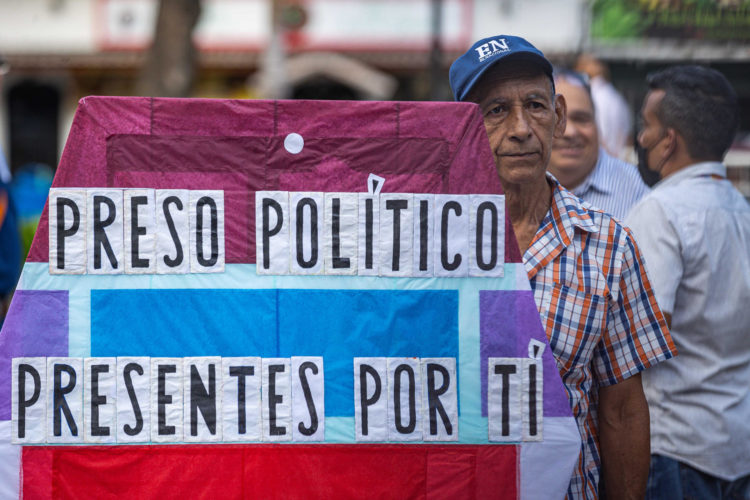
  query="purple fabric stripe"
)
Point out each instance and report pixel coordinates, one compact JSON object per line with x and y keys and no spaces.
{"x":508,"y":314}
{"x":43,"y":312}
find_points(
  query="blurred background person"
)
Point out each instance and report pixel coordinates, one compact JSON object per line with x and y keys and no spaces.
{"x":10,"y":243}
{"x":10,"y":249}
{"x":613,"y":117}
{"x":694,"y":231}
{"x":581,"y":164}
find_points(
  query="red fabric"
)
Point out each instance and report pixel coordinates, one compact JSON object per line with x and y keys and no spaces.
{"x":270,"y":471}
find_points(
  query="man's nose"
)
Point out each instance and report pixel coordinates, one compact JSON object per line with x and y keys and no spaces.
{"x":519,"y":123}
{"x":571,"y":129}
{"x":639,"y":138}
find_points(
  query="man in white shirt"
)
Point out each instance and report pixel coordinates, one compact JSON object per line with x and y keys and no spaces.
{"x":581,"y":164}
{"x":694,"y":232}
{"x":613,"y":118}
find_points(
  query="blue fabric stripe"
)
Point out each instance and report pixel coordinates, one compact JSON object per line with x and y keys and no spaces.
{"x":336,"y":324}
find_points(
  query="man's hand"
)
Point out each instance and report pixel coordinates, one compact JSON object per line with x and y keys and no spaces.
{"x":624,"y":439}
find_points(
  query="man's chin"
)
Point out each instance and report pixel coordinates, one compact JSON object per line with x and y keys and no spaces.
{"x":521,"y":161}
{"x":520,"y":172}
{"x":564,"y":167}
{"x":566,"y":158}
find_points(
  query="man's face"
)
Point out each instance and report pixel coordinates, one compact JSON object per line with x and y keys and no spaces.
{"x":521,"y":117}
{"x":652,"y":132}
{"x":574,"y":154}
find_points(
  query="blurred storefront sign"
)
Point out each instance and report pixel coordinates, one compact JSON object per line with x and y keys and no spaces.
{"x":715,"y":20}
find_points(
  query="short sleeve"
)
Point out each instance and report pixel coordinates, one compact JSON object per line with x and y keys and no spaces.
{"x":637,"y":335}
{"x":659,"y":243}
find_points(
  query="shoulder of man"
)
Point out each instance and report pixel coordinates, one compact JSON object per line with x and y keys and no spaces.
{"x":591,"y":219}
{"x":623,"y":173}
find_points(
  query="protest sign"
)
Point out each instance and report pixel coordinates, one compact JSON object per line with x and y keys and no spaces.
{"x":278,"y":299}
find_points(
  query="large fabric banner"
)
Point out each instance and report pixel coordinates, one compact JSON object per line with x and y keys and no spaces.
{"x":278,"y":299}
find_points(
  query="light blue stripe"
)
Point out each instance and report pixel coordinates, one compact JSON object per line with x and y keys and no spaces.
{"x":472,"y":427}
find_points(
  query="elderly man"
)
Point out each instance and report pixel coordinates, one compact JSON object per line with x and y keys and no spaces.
{"x":580,"y":164}
{"x":586,"y":272}
{"x":694,"y":228}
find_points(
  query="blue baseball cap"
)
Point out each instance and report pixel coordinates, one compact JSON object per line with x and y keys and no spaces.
{"x":466,"y":71}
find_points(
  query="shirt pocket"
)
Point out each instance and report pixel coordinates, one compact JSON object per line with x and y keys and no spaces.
{"x":575,"y":322}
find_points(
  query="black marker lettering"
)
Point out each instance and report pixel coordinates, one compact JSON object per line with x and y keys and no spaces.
{"x":369,"y":223}
{"x":506,"y":371}
{"x":100,"y":235}
{"x":136,"y":231}
{"x":433,"y":398}
{"x":202,"y":399}
{"x":483,"y":207}
{"x":268,"y":204}
{"x":338,"y":261}
{"x":63,"y":233}
{"x":274,"y":400}
{"x":448,"y":266}
{"x":23,"y":403}
{"x":97,"y":400}
{"x":163,"y":399}
{"x":129,"y":430}
{"x":365,"y":402}
{"x":408,"y":428}
{"x":173,"y":231}
{"x":59,"y":405}
{"x":424,"y":213}
{"x":532,"y":400}
{"x":202,"y":260}
{"x":396,"y":206}
{"x":307,"y":202}
{"x":241,"y":372}
{"x":308,"y":431}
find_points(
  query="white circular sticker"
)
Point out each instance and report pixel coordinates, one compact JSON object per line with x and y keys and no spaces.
{"x":294,"y":143}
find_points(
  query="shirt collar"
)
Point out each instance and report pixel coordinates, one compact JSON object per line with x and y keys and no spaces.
{"x":596,"y":179}
{"x":557,"y":229}
{"x":696,"y":170}
{"x":567,"y":213}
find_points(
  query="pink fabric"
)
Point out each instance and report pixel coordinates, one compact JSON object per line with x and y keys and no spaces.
{"x":238,"y":146}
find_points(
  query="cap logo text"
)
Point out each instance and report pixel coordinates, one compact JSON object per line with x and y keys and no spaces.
{"x":491,"y":48}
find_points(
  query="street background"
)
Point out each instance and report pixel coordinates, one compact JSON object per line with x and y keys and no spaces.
{"x":58,"y":51}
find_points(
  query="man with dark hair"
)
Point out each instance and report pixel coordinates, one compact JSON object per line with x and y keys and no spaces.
{"x":581,"y":164}
{"x":694,"y":229}
{"x":585,"y":270}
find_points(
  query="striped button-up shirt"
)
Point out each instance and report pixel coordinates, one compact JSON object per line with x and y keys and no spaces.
{"x":614,"y":186}
{"x":598,"y":310}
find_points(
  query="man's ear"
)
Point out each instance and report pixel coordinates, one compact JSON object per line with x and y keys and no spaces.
{"x":671,"y":146}
{"x":561,"y":116}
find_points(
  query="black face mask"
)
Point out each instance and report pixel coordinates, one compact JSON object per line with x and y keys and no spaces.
{"x":649,"y":176}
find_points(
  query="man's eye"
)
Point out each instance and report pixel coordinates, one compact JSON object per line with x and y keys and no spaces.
{"x":582,"y":119}
{"x":536,"y":105}
{"x":496,"y":110}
